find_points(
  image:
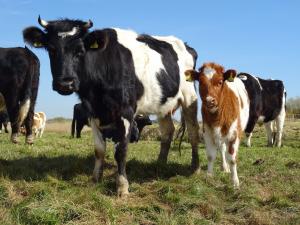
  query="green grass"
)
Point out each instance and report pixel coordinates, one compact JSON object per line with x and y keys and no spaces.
{"x":50,"y":183}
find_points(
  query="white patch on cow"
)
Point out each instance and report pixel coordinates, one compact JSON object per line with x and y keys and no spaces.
{"x":68,"y":33}
{"x":260,"y":120}
{"x":23,"y":111}
{"x":242,"y":77}
{"x":126,"y":125}
{"x":209,"y":72}
{"x":100,"y":148}
{"x":240,"y":91}
{"x":148,"y":63}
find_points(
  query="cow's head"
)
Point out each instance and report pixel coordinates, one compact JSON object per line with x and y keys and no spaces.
{"x":211,"y":79}
{"x":67,"y":42}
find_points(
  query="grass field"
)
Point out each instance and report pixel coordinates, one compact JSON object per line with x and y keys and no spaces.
{"x":50,"y":183}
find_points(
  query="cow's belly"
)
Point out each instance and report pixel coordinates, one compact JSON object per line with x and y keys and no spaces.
{"x":2,"y":103}
{"x":150,"y":103}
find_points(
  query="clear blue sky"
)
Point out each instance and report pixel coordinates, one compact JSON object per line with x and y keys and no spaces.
{"x":261,"y":37}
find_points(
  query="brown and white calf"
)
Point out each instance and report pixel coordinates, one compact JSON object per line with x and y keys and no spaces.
{"x":39,"y":123}
{"x":225,"y":112}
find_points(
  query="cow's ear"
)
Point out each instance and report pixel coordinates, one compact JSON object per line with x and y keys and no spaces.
{"x":191,"y":75}
{"x":34,"y":37}
{"x":229,"y":75}
{"x":96,"y":40}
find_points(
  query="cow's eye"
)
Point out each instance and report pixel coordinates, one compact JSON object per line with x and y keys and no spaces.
{"x":220,"y":82}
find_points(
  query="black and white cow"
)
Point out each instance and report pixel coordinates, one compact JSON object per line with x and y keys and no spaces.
{"x":19,"y":80}
{"x":267,"y":105}
{"x":4,"y":120}
{"x":119,"y":74}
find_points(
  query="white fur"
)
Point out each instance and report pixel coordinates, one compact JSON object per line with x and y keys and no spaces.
{"x":23,"y":111}
{"x":209,"y":72}
{"x":100,"y":147}
{"x":126,"y":125}
{"x":148,"y":63}
{"x":68,"y":33}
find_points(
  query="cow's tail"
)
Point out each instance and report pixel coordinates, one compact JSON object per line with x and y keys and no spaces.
{"x":30,"y":88}
{"x":73,"y":123}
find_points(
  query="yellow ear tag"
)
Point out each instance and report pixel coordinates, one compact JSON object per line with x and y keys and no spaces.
{"x":37,"y":44}
{"x":188,"y":77}
{"x":230,"y":78}
{"x":94,"y":45}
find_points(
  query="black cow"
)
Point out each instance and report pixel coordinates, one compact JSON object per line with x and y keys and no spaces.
{"x":267,"y":105}
{"x":4,"y":120}
{"x":119,"y":74}
{"x":19,"y":80}
{"x":81,"y":118}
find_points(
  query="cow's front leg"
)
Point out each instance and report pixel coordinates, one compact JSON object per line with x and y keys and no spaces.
{"x":120,"y":157}
{"x":100,"y":147}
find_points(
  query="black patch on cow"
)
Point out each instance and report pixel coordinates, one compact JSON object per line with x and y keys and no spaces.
{"x":193,"y":53}
{"x":265,"y":102}
{"x":169,"y":78}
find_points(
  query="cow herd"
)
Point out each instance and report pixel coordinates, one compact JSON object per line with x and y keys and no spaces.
{"x":121,"y":77}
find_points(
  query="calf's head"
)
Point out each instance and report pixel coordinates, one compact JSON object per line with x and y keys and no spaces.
{"x":67,"y":42}
{"x":211,"y":79}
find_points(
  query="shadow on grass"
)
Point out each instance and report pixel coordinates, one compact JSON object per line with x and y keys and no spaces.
{"x":69,"y":166}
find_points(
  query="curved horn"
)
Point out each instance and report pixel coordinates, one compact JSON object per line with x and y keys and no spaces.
{"x":88,"y":24}
{"x":42,"y":22}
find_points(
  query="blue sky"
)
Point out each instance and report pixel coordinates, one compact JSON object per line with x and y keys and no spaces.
{"x":258,"y":37}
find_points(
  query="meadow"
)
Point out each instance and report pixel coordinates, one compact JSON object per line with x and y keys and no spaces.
{"x":50,"y":183}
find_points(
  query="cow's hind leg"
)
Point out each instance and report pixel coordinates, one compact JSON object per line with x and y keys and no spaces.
{"x":270,"y":135}
{"x":100,"y":147}
{"x":167,"y":129}
{"x":120,"y":157}
{"x":279,"y":126}
{"x":190,"y":116}
{"x":224,"y":166}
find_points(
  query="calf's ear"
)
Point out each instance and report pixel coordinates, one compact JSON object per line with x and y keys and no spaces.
{"x":34,"y":37}
{"x":229,"y":75}
{"x":96,"y":40}
{"x":191,"y":75}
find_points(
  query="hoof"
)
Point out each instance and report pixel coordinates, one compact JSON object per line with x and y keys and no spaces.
{"x":29,"y":139}
{"x":122,"y":187}
{"x":14,"y":138}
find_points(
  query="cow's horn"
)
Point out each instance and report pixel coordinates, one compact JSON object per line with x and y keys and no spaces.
{"x":88,"y":24}
{"x":42,"y":22}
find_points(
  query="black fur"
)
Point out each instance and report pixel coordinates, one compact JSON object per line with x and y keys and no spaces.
{"x":266,"y":102}
{"x":19,"y":81}
{"x":4,"y":120}
{"x":80,"y":119}
{"x":169,"y":79}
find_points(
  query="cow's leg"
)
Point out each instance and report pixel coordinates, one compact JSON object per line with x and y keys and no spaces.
{"x":224,"y":166}
{"x":231,"y":155}
{"x":248,"y":139}
{"x":279,"y":125}
{"x":28,"y":120}
{"x":211,"y":152}
{"x":1,"y":127}
{"x":79,"y":126}
{"x":190,"y":116}
{"x":269,"y":130}
{"x":13,"y":112}
{"x":120,"y":157}
{"x":100,"y":147}
{"x":167,"y":129}
{"x":5,"y":127}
